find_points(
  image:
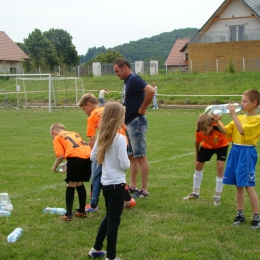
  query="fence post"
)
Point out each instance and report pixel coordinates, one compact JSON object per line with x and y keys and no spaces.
{"x":243,"y":64}
{"x":217,"y":65}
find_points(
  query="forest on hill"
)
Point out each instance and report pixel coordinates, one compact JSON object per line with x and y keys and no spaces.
{"x":154,"y":48}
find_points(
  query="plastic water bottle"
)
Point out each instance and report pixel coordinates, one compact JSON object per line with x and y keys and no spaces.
{"x":59,"y":211}
{"x":4,"y":213}
{"x":14,"y":236}
{"x":222,"y":109}
{"x":47,"y":210}
{"x":62,"y":167}
{"x":5,"y":203}
{"x":8,"y":207}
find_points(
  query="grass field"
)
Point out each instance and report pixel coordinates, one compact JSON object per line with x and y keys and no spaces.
{"x":174,"y":88}
{"x":161,"y":226}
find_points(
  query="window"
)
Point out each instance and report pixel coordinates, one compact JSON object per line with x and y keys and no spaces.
{"x":186,"y":56}
{"x":237,"y":33}
{"x":13,"y":70}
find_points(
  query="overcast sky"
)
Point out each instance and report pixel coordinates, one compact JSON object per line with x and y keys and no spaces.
{"x":96,"y":23}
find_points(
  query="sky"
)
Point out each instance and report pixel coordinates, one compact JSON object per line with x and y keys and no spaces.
{"x":109,"y":23}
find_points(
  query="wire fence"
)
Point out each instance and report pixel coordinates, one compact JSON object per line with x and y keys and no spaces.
{"x":76,"y":71}
{"x":237,"y":65}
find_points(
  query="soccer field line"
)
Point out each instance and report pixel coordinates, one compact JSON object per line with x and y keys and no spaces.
{"x":171,"y":158}
{"x":39,"y":190}
{"x":53,"y":186}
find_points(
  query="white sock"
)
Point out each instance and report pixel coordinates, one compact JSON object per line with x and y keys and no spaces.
{"x":197,"y":177}
{"x":219,"y":184}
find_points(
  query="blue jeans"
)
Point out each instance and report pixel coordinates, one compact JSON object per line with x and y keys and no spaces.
{"x":96,"y":170}
{"x":101,"y":102}
{"x":154,"y":102}
{"x":136,"y":134}
{"x":114,"y":201}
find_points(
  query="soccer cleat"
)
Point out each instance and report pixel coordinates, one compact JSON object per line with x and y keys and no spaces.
{"x":133,"y":190}
{"x":255,"y":224}
{"x":89,"y":209}
{"x":238,"y":220}
{"x":216,"y":200}
{"x":117,"y":258}
{"x":140,"y":194}
{"x":96,"y":253}
{"x":192,"y":196}
{"x":79,"y":215}
{"x":130,"y":204}
{"x":66,"y":218}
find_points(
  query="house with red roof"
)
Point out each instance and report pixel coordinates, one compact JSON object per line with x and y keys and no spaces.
{"x":177,"y":60}
{"x":11,"y":55}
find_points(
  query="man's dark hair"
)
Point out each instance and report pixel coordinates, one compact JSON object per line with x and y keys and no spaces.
{"x":121,"y":63}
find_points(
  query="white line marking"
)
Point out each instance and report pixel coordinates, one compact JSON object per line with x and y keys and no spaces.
{"x":172,"y":158}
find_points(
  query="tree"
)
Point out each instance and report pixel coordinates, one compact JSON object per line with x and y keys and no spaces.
{"x":108,"y":57}
{"x":62,"y":41}
{"x":41,"y":50}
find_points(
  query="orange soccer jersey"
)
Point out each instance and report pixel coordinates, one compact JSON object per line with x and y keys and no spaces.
{"x":93,"y":121}
{"x":212,"y":141}
{"x":71,"y":144}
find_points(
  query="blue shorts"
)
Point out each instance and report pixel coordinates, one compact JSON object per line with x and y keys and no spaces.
{"x":136,"y":135}
{"x":240,"y":167}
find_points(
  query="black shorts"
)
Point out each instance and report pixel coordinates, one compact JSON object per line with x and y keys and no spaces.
{"x":78,"y":169}
{"x":206,"y":154}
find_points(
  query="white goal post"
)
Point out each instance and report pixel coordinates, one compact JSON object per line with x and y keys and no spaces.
{"x":73,"y":82}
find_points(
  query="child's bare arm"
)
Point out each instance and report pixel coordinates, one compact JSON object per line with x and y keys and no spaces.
{"x":236,"y":121}
{"x":57,"y":162}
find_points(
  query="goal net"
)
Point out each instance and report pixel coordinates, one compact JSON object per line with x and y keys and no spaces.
{"x":40,"y":90}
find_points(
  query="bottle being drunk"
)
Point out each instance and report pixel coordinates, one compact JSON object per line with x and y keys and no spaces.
{"x":222,"y":109}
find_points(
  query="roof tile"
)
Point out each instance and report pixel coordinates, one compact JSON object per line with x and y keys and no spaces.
{"x":9,"y":50}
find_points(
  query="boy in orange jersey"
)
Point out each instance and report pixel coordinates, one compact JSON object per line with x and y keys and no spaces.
{"x":89,"y":104}
{"x":209,"y":141}
{"x":70,"y":146}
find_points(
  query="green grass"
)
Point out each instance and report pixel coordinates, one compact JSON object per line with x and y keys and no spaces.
{"x":161,"y":226}
{"x":170,"y":87}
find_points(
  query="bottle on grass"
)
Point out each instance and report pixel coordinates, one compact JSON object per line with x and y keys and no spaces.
{"x":14,"y":236}
{"x":59,"y":211}
{"x":4,"y":213}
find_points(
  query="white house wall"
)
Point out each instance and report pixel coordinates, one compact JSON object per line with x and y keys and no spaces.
{"x":236,"y":9}
{"x":5,"y":66}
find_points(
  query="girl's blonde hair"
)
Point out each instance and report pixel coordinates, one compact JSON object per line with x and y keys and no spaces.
{"x":112,"y":119}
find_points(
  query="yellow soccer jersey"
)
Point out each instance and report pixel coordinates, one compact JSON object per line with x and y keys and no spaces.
{"x":251,"y":127}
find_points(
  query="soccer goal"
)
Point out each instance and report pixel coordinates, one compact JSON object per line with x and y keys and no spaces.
{"x":43,"y":90}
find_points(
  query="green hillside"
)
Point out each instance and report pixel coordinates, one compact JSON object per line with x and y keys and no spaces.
{"x":156,"y":47}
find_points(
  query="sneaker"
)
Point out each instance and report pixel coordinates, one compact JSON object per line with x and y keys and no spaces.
{"x":117,"y":258}
{"x":255,"y":224}
{"x":96,"y":253}
{"x":192,"y":196}
{"x":239,"y":219}
{"x":66,"y":218}
{"x":130,"y":204}
{"x":140,"y":194}
{"x":89,"y":209}
{"x":79,"y":215}
{"x":216,"y":200}
{"x":133,"y":190}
